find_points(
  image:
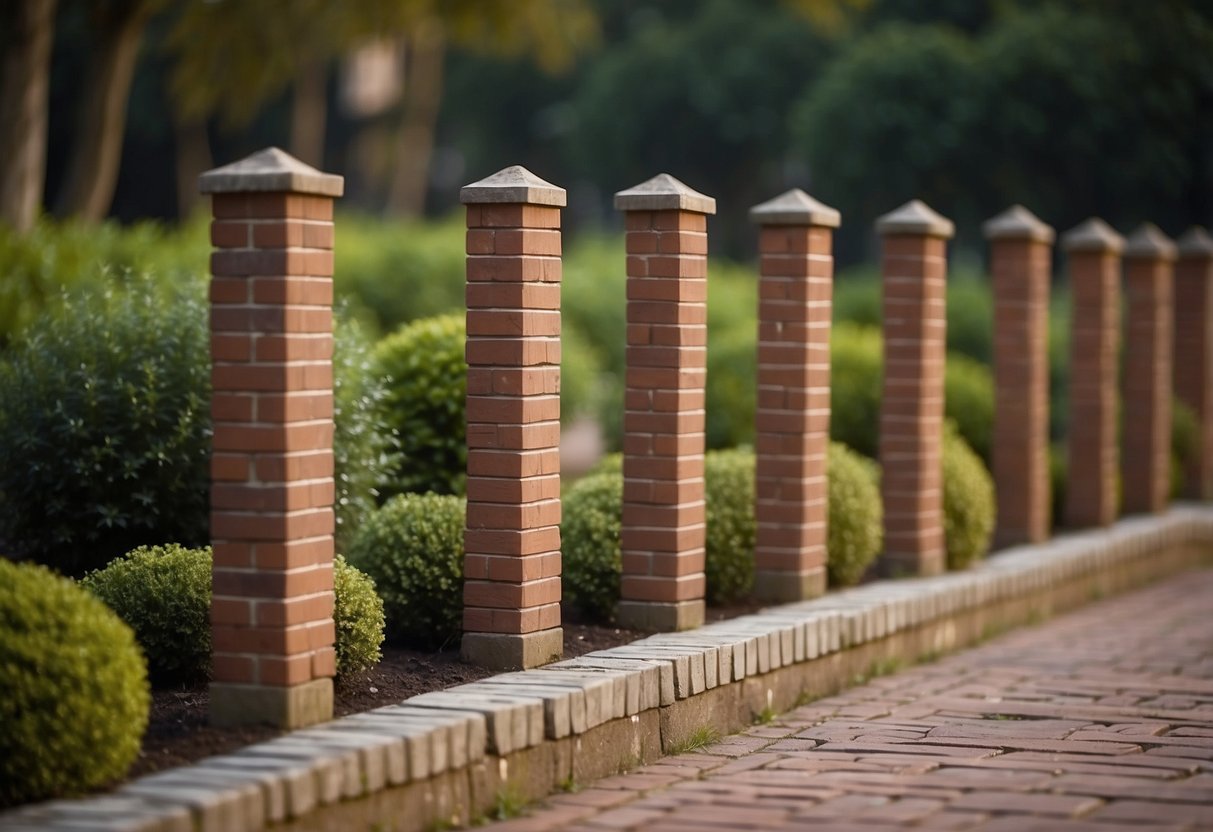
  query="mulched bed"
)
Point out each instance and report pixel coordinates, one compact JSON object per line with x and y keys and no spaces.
{"x":178,"y":732}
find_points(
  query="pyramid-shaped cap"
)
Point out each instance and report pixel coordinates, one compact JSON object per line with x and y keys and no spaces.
{"x":271,"y":169}
{"x":513,"y":184}
{"x":1149,"y":241}
{"x":1093,"y":235}
{"x":1018,"y":223}
{"x":1195,"y":242}
{"x":915,"y":217}
{"x":664,"y":193}
{"x":795,"y":208}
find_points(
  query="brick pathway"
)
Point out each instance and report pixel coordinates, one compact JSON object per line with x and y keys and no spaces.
{"x":1101,"y":719}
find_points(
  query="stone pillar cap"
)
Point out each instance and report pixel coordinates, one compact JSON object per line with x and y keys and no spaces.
{"x":1093,"y":235}
{"x":795,"y":207}
{"x":1148,"y":241}
{"x":270,"y":170}
{"x":664,"y":193}
{"x":915,"y":217}
{"x":514,"y":184}
{"x":1018,"y":223}
{"x":1195,"y":242}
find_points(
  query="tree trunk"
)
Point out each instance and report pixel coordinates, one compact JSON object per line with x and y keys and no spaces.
{"x":193,"y":159}
{"x":415,"y":139}
{"x":309,"y":109}
{"x":97,"y":150}
{"x":27,"y":30}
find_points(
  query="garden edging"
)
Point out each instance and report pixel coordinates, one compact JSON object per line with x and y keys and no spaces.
{"x":449,"y":756}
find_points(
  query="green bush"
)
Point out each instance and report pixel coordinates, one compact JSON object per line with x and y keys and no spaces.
{"x":75,"y":697}
{"x":856,"y":378}
{"x":731,"y":393}
{"x":1185,"y":443}
{"x":856,"y":515}
{"x":857,"y":297}
{"x":592,"y":511}
{"x":729,"y":493}
{"x":968,"y":501}
{"x":358,"y":617}
{"x":969,"y":401}
{"x":364,"y":448}
{"x":164,"y":594}
{"x":412,"y":548}
{"x":105,"y":429}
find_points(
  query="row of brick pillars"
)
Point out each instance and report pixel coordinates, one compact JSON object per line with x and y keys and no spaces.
{"x":272,"y":467}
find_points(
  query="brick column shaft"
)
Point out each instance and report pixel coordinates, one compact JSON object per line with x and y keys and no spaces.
{"x":1093,"y":457}
{"x":1149,"y":281}
{"x":511,"y":593}
{"x":1020,"y":264}
{"x":914,"y":267}
{"x":663,"y":498}
{"x":272,"y":466}
{"x":795,"y":294}
{"x":1193,"y":356}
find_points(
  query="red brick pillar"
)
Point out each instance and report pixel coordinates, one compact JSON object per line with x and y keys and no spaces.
{"x":511,"y":593}
{"x":1093,"y":457}
{"x":1021,"y":263}
{"x":1149,"y":285}
{"x":272,"y":466}
{"x":795,"y":294}
{"x":1193,"y":357}
{"x":915,"y":267}
{"x":663,"y":495}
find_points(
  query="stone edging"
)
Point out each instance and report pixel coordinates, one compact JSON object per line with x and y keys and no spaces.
{"x":448,"y":755}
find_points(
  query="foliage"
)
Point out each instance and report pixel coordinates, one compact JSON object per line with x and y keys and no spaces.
{"x":731,"y":386}
{"x":592,"y":512}
{"x":856,"y":376}
{"x":1058,"y":476}
{"x":75,"y":700}
{"x":729,"y":544}
{"x":969,"y":401}
{"x":412,"y":548}
{"x":968,"y":501}
{"x":163,"y":593}
{"x":425,"y":405}
{"x":105,"y":430}
{"x":357,"y":617}
{"x":856,"y":515}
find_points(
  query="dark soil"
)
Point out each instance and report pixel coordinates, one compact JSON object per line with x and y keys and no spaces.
{"x":178,"y":732}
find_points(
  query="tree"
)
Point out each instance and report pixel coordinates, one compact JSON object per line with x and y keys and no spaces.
{"x":26,"y":32}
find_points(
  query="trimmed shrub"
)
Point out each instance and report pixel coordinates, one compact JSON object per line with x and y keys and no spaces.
{"x":592,"y":512}
{"x":75,"y":697}
{"x":163,"y":593}
{"x":731,"y":393}
{"x":424,"y":406}
{"x":856,"y":376}
{"x":105,"y":429}
{"x":969,"y":401}
{"x":358,"y":616}
{"x":968,"y":501}
{"x":412,"y":548}
{"x":856,"y":515}
{"x":1185,"y":443}
{"x":729,"y":492}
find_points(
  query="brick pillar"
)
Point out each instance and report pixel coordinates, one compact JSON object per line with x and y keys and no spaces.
{"x":663,"y":495}
{"x":795,"y":292}
{"x":1146,"y":455}
{"x":915,"y":268}
{"x":272,"y":466}
{"x":1094,"y":251}
{"x":1021,"y":263}
{"x":511,"y":593}
{"x":1193,"y":356}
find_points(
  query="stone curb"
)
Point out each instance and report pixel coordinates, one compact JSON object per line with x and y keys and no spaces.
{"x":452,"y":730}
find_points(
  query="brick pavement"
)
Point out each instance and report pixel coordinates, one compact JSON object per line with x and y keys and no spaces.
{"x":1100,"y":719}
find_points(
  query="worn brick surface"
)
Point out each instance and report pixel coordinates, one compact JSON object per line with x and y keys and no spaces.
{"x":1099,"y":720}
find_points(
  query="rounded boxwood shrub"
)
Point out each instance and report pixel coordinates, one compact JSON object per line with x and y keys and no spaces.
{"x":968,"y":395}
{"x":592,"y":512}
{"x":164,"y":594}
{"x":856,"y":515}
{"x":968,"y":501}
{"x":729,"y":493}
{"x":105,"y":428}
{"x":412,"y":548}
{"x":358,"y":616}
{"x":75,"y":696}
